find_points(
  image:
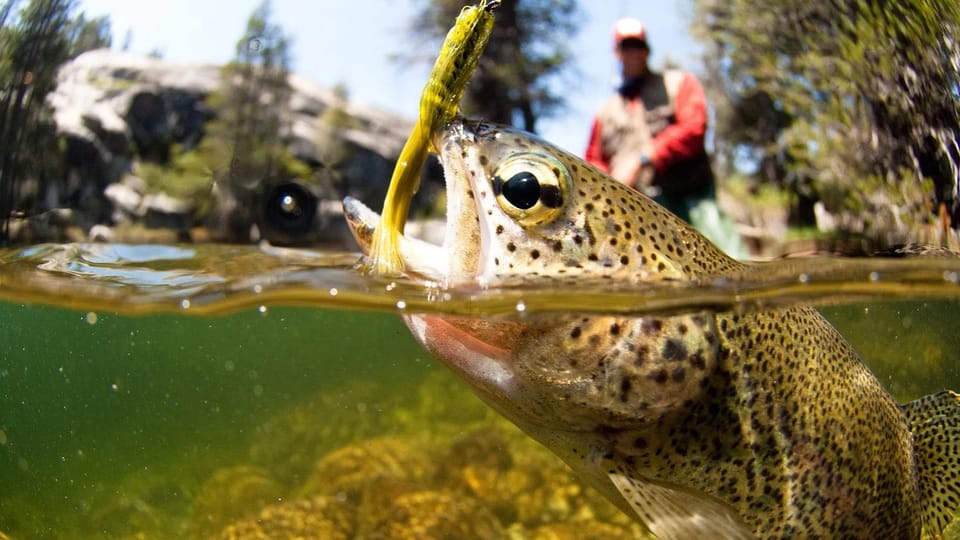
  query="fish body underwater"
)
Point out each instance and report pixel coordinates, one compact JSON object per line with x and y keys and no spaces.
{"x":762,"y":424}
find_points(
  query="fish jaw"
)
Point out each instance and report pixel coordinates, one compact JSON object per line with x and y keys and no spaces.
{"x":477,"y":350}
{"x":456,"y":261}
{"x":419,"y":257}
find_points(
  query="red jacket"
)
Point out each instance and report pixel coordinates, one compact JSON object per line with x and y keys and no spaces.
{"x":680,"y":140}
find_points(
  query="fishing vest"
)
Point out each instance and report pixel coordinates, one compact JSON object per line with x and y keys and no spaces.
{"x":628,"y":126}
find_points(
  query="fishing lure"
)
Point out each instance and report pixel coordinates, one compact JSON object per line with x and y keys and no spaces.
{"x":439,"y":104}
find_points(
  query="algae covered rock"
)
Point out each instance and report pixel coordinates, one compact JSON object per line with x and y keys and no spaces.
{"x":581,"y":531}
{"x":231,"y":493}
{"x":436,"y":514}
{"x":348,"y":471}
{"x":147,"y":503}
{"x":519,"y":480}
{"x":290,"y":443}
{"x":316,"y":518}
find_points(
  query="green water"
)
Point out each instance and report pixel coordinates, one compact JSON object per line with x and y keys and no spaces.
{"x":169,"y":392}
{"x":85,"y":406}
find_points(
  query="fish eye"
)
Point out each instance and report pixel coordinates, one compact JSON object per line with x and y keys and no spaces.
{"x":531,"y":187}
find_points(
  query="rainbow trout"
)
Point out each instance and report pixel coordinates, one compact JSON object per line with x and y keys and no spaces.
{"x":702,"y":425}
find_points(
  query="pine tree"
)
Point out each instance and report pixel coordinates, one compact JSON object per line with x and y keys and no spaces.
{"x":246,"y":144}
{"x":32,"y":51}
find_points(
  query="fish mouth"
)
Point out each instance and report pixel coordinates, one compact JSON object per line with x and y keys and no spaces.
{"x":455,"y":261}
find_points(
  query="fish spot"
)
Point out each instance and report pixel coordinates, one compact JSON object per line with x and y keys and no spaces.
{"x":594,"y":340}
{"x":624,"y":260}
{"x":641,"y":356}
{"x":625,"y":385}
{"x":483,"y":160}
{"x":558,"y":246}
{"x":499,"y":229}
{"x":674,"y":350}
{"x":534,"y":254}
{"x":593,"y":257}
{"x":575,"y":333}
{"x":613,"y":241}
{"x":511,"y":247}
{"x":659,"y":376}
{"x":614,"y":329}
{"x":640,"y":443}
{"x":697,"y":360}
{"x":577,"y":239}
{"x":678,"y":374}
{"x":652,"y":326}
{"x":550,"y":196}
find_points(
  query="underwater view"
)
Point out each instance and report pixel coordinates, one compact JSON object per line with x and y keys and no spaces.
{"x":243,"y":392}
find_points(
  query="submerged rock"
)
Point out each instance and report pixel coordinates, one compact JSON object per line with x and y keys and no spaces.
{"x":320,"y":518}
{"x":349,"y":471}
{"x":232,"y":493}
{"x":436,"y":514}
{"x":580,"y":531}
{"x":290,"y":444}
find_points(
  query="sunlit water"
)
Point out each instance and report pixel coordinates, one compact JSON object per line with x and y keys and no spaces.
{"x":178,"y":391}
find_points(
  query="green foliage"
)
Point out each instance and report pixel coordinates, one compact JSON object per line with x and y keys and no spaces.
{"x":330,"y":127}
{"x":247,"y":141}
{"x":836,"y":98}
{"x":33,"y":44}
{"x":87,"y":35}
{"x":187,"y":176}
{"x":528,"y":51}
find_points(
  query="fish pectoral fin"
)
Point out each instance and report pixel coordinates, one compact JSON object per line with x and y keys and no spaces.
{"x":935,"y":424}
{"x":671,"y":513}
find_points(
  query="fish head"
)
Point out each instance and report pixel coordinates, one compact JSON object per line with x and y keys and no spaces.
{"x":520,"y":209}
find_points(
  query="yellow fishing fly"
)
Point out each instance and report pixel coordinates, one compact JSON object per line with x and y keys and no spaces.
{"x":439,"y":104}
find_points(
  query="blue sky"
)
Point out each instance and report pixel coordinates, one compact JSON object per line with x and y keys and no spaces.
{"x":350,"y":42}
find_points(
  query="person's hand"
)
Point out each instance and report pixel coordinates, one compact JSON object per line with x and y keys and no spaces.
{"x":626,"y":172}
{"x":646,"y":171}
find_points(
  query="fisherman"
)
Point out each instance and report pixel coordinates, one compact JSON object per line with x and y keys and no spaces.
{"x":650,"y":135}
